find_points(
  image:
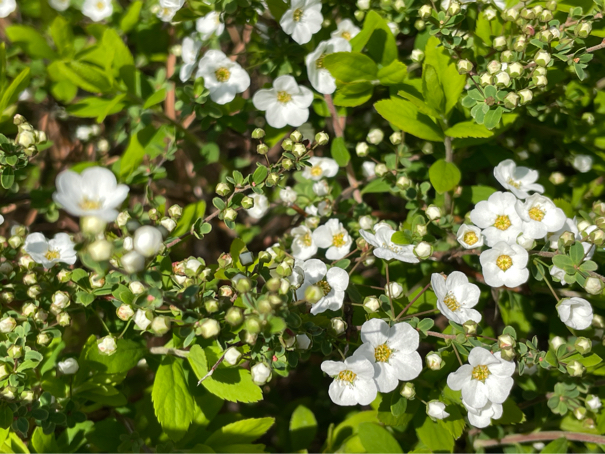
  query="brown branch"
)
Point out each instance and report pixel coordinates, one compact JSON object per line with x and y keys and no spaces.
{"x":539,"y":436}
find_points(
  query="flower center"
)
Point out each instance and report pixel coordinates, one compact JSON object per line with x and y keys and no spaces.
{"x":319,"y":63}
{"x":100,"y":6}
{"x":297,"y":15}
{"x":338,"y":240}
{"x":346,"y":35}
{"x":470,"y":238}
{"x":347,"y":375}
{"x":222,"y":74}
{"x":504,"y":262}
{"x":480,"y":373}
{"x":537,"y":214}
{"x":307,"y":240}
{"x":382,"y":353}
{"x":316,"y":171}
{"x":451,"y":302}
{"x":88,"y":204}
{"x":284,"y":96}
{"x":502,"y":222}
{"x":52,"y":255}
{"x":513,"y":183}
{"x":324,"y":286}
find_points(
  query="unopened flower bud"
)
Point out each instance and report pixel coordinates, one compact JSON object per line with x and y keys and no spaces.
{"x":338,"y":326}
{"x":100,"y":250}
{"x":223,"y":189}
{"x":580,"y":413}
{"x":234,"y":316}
{"x":433,"y":212}
{"x":515,"y":70}
{"x":470,"y":327}
{"x":160,"y":325}
{"x":232,"y":356}
{"x":525,"y":96}
{"x":262,"y":149}
{"x":7,"y":324}
{"x":454,"y":8}
{"x":394,"y":290}
{"x":499,"y":43}
{"x":417,"y":54}
{"x":258,"y":133}
{"x":506,"y":341}
{"x":486,"y":79}
{"x":261,"y":373}
{"x":502,"y":79}
{"x":510,"y":14}
{"x":511,"y":100}
{"x":556,"y":342}
{"x":64,"y":319}
{"x":575,"y":368}
{"x":423,"y":250}
{"x":520,"y":44}
{"x":396,"y":138}
{"x":15,"y":241}
{"x":125,"y":312}
{"x":540,"y":81}
{"x":4,"y":371}
{"x":583,"y":345}
{"x":593,"y":285}
{"x":583,"y":29}
{"x":229,"y":214}
{"x":15,"y":351}
{"x":434,"y":361}
{"x":508,"y":354}
{"x":381,"y":170}
{"x":299,"y":150}
{"x":494,"y":67}
{"x":208,"y":328}
{"x":287,"y":144}
{"x":168,"y":223}
{"x":403,"y":182}
{"x":371,"y":303}
{"x":464,"y":66}
{"x":133,"y":262}
{"x":107,"y":345}
{"x":362,"y":149}
{"x":313,"y":294}
{"x":322,"y":138}
{"x":30,"y":279}
{"x":542,"y":58}
{"x":408,"y":390}
{"x":43,"y":339}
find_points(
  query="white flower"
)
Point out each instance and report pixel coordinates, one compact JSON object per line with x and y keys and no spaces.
{"x":593,"y":402}
{"x":346,"y":29}
{"x":49,"y":252}
{"x":232,"y":356}
{"x":333,"y":235}
{"x":393,"y":27}
{"x":375,"y":136}
{"x":302,"y":20}
{"x":518,"y":180}
{"x":68,"y":367}
{"x":97,"y":10}
{"x":393,"y":289}
{"x":107,"y":345}
{"x":469,"y":236}
{"x":368,"y":169}
{"x":303,"y":246}
{"x":320,"y":77}
{"x":141,"y":319}
{"x":166,"y":13}
{"x":59,"y":5}
{"x":392,"y":352}
{"x":456,"y":297}
{"x":94,"y":192}
{"x":133,"y":262}
{"x":540,"y":216}
{"x":7,"y":7}
{"x":384,"y":248}
{"x":261,"y":205}
{"x":332,"y":282}
{"x":260,"y":373}
{"x":366,"y":222}
{"x":147,"y":241}
{"x":575,"y":312}
{"x":190,"y":49}
{"x":321,"y":188}
{"x":487,"y":377}
{"x":7,"y":324}
{"x":582,"y":163}
{"x":222,"y":76}
{"x":286,"y":103}
{"x":84,"y":133}
{"x":320,"y":168}
{"x":498,"y":218}
{"x":505,"y":264}
{"x":423,"y":250}
{"x":210,"y":25}
{"x":434,"y":361}
{"x":288,"y":195}
{"x":303,"y":341}
{"x":482,"y":417}
{"x":436,"y":410}
{"x":353,"y":381}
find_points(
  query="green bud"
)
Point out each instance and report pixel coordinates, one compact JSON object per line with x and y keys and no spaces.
{"x":525,"y":96}
{"x":258,"y":133}
{"x":575,"y":368}
{"x":175,"y":211}
{"x":211,"y":306}
{"x":583,"y":345}
{"x":229,"y":214}
{"x":511,"y":100}
{"x":296,"y":136}
{"x":419,"y":25}
{"x":234,"y":316}
{"x":551,"y":5}
{"x":262,"y":149}
{"x":322,"y":138}
{"x":425,"y":12}
{"x":408,"y":391}
{"x":223,"y":189}
{"x":273,"y":179}
{"x":299,"y":150}
{"x":313,"y":294}
{"x":510,"y":15}
{"x":470,"y":327}
{"x":287,"y":144}
{"x":464,"y":66}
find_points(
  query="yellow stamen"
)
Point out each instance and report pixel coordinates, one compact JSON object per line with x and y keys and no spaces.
{"x":470,"y":238}
{"x":222,"y":74}
{"x":504,"y":262}
{"x":284,"y":96}
{"x":307,"y":240}
{"x":319,"y":63}
{"x":316,"y":171}
{"x":89,"y":204}
{"x":502,"y":222}
{"x":537,"y":214}
{"x":338,"y":240}
{"x":297,"y":15}
{"x":347,"y":375}
{"x":100,"y":6}
{"x":513,"y":183}
{"x":346,"y":35}
{"x":382,"y":353}
{"x":451,"y":302}
{"x":481,"y":373}
{"x":52,"y":255}
{"x":324,"y":286}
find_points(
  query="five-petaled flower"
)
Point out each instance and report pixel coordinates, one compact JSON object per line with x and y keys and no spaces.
{"x":333,"y":282}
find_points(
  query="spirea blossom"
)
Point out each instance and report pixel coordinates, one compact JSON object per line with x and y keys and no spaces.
{"x":209,"y":25}
{"x":190,"y":48}
{"x":333,"y":236}
{"x":575,"y":312}
{"x":540,"y":216}
{"x":320,"y":168}
{"x":303,"y":246}
{"x":518,"y":180}
{"x":353,"y":381}
{"x":59,"y":5}
{"x":482,"y":417}
{"x":456,"y":297}
{"x":302,"y":20}
{"x":498,"y":217}
{"x":223,"y":77}
{"x":345,"y":29}
{"x":384,"y":248}
{"x":469,"y":236}
{"x":320,"y":78}
{"x":50,"y":252}
{"x":332,"y":282}
{"x":392,"y":352}
{"x":97,"y":10}
{"x":505,"y":264}
{"x":261,"y":205}
{"x":287,"y":103}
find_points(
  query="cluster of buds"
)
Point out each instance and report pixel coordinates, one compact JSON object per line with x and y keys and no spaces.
{"x":27,"y":136}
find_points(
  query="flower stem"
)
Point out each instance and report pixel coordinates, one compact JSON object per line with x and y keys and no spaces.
{"x":426,"y":287}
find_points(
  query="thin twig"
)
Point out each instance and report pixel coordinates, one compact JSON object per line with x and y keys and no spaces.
{"x":539,"y":436}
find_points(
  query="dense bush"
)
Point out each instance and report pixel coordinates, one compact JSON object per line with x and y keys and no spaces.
{"x":262,"y":226}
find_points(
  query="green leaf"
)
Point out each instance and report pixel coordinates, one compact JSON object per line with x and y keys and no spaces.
{"x":94,"y":107}
{"x":559,"y":445}
{"x":11,"y":93}
{"x":444,"y":176}
{"x":576,"y":253}
{"x":126,"y":357}
{"x":173,"y":404}
{"x":339,"y":151}
{"x":350,"y":67}
{"x":42,"y":442}
{"x":8,"y":177}
{"x":191,"y":213}
{"x":511,"y":413}
{"x":377,"y":185}
{"x":63,"y":36}
{"x":156,"y":98}
{"x":392,"y":74}
{"x":405,"y":116}
{"x":303,"y":427}
{"x":84,"y":298}
{"x":492,"y":118}
{"x":563,"y":262}
{"x":375,"y":438}
{"x":468,"y":129}
{"x":260,"y":174}
{"x":84,"y":75}
{"x":277,"y":8}
{"x":31,"y":40}
{"x":452,"y":82}
{"x":377,"y":37}
{"x":141,"y":144}
{"x":586,"y":361}
{"x":431,"y":89}
{"x":240,"y":432}
{"x":353,"y":95}
{"x":233,"y":384}
{"x":131,"y":16}
{"x":435,"y":436}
